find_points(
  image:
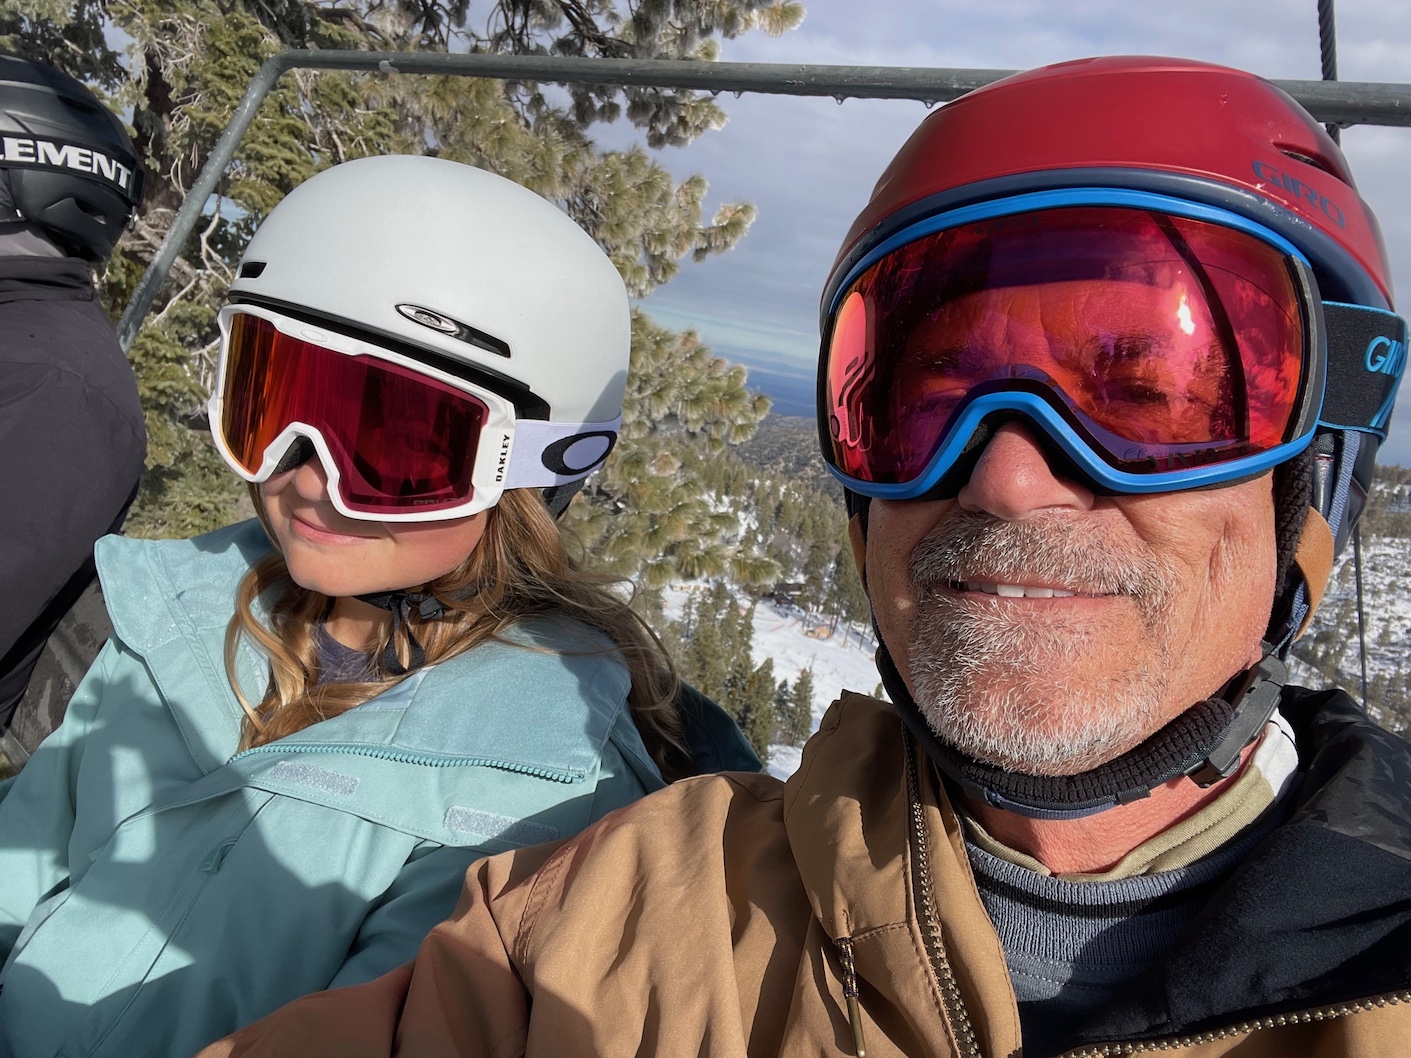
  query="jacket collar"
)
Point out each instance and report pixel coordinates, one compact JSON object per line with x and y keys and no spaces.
{"x":1319,"y":914}
{"x":170,"y":602}
{"x":45,"y":279}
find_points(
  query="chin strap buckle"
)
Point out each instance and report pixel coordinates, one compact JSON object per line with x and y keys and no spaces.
{"x":1253,"y":694}
{"x":400,"y":604}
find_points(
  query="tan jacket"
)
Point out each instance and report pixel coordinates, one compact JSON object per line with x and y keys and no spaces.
{"x":736,"y":915}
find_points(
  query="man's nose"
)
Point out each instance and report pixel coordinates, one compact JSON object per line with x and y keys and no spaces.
{"x":1013,"y":480}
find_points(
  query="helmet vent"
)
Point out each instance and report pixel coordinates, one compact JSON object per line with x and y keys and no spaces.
{"x":455,"y":329}
{"x":1306,"y":159}
{"x":251,"y":269}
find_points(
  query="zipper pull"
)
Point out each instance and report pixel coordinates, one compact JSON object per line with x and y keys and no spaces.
{"x":850,"y":993}
{"x":217,"y":856}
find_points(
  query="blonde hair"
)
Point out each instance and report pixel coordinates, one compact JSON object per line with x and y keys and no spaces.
{"x":520,"y":569}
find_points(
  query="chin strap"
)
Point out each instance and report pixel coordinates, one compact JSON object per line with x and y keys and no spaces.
{"x":399,"y":604}
{"x":1204,"y":743}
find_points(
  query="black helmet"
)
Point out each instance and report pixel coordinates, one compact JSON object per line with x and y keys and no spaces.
{"x":69,"y":164}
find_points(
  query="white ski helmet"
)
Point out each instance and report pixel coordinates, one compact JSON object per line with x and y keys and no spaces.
{"x":459,"y":274}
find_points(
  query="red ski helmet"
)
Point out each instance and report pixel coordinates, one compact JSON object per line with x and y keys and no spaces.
{"x":1217,"y":141}
{"x":1188,"y":129}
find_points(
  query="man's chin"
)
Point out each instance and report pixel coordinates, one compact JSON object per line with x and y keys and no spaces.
{"x":1034,"y":736}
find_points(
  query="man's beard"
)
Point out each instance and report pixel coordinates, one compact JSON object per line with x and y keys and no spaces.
{"x":1031,"y":692}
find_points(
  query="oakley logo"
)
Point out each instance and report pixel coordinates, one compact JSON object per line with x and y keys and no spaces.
{"x":47,"y":154}
{"x":1297,"y":188}
{"x":504,"y":459}
{"x":427,"y":318}
{"x":1386,"y":356}
{"x":575,"y":456}
{"x":454,"y":328}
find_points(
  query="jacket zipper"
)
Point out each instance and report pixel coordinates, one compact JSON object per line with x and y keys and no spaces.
{"x":951,"y":998}
{"x":955,"y":1006}
{"x":408,"y":758}
{"x":1244,"y":1028}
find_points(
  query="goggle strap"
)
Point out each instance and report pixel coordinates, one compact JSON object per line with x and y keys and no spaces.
{"x":545,"y":454}
{"x":1366,"y":359}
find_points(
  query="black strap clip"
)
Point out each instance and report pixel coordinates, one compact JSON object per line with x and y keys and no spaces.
{"x":1254,"y":695}
{"x":399,"y":604}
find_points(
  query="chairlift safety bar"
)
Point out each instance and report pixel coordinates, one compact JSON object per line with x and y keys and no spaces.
{"x":1334,"y":102}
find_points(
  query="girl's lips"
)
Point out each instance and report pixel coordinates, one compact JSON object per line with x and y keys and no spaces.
{"x":319,"y":535}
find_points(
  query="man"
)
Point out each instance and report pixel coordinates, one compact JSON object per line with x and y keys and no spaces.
{"x":71,"y":426}
{"x":1105,"y":363}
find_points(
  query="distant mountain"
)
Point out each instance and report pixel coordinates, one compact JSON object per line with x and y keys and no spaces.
{"x":789,"y":382}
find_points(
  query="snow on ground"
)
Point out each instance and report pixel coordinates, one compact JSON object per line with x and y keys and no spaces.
{"x":1386,"y":574}
{"x":842,"y":661}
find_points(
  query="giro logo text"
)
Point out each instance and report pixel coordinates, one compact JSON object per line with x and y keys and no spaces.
{"x":1386,"y":356}
{"x":20,"y":150}
{"x":1297,"y":188}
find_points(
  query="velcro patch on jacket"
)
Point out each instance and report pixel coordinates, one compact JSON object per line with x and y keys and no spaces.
{"x":314,"y":777}
{"x":489,"y":825}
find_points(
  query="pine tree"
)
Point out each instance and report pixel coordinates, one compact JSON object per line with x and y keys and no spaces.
{"x":783,"y":703}
{"x":710,"y":645}
{"x":753,"y":706}
{"x":799,"y":723}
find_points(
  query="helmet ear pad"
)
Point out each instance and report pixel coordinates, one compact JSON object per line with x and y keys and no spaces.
{"x":1313,"y":563}
{"x":86,"y":216}
{"x":558,"y":497}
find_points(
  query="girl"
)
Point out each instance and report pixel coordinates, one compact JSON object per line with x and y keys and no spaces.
{"x":306,"y":727}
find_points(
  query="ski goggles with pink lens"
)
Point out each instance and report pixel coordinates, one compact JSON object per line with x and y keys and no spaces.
{"x":1158,"y":344}
{"x":400,"y":440}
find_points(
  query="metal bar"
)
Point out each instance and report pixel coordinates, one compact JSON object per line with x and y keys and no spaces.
{"x":1353,"y":102}
{"x":1342,"y":102}
{"x":870,"y":82}
{"x":195,"y":201}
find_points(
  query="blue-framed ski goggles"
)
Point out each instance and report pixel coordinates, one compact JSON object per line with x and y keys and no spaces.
{"x":1157,"y":343}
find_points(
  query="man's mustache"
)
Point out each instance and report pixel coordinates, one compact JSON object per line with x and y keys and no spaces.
{"x":972,"y":546}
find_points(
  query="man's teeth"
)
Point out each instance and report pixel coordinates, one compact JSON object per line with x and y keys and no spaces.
{"x":1017,"y":591}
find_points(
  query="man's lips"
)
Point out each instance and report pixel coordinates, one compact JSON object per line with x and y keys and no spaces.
{"x":1013,"y":590}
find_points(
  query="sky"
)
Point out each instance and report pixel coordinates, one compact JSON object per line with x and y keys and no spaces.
{"x":808,"y":164}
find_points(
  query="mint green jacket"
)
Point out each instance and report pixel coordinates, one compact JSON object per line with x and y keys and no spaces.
{"x":159,"y":890}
